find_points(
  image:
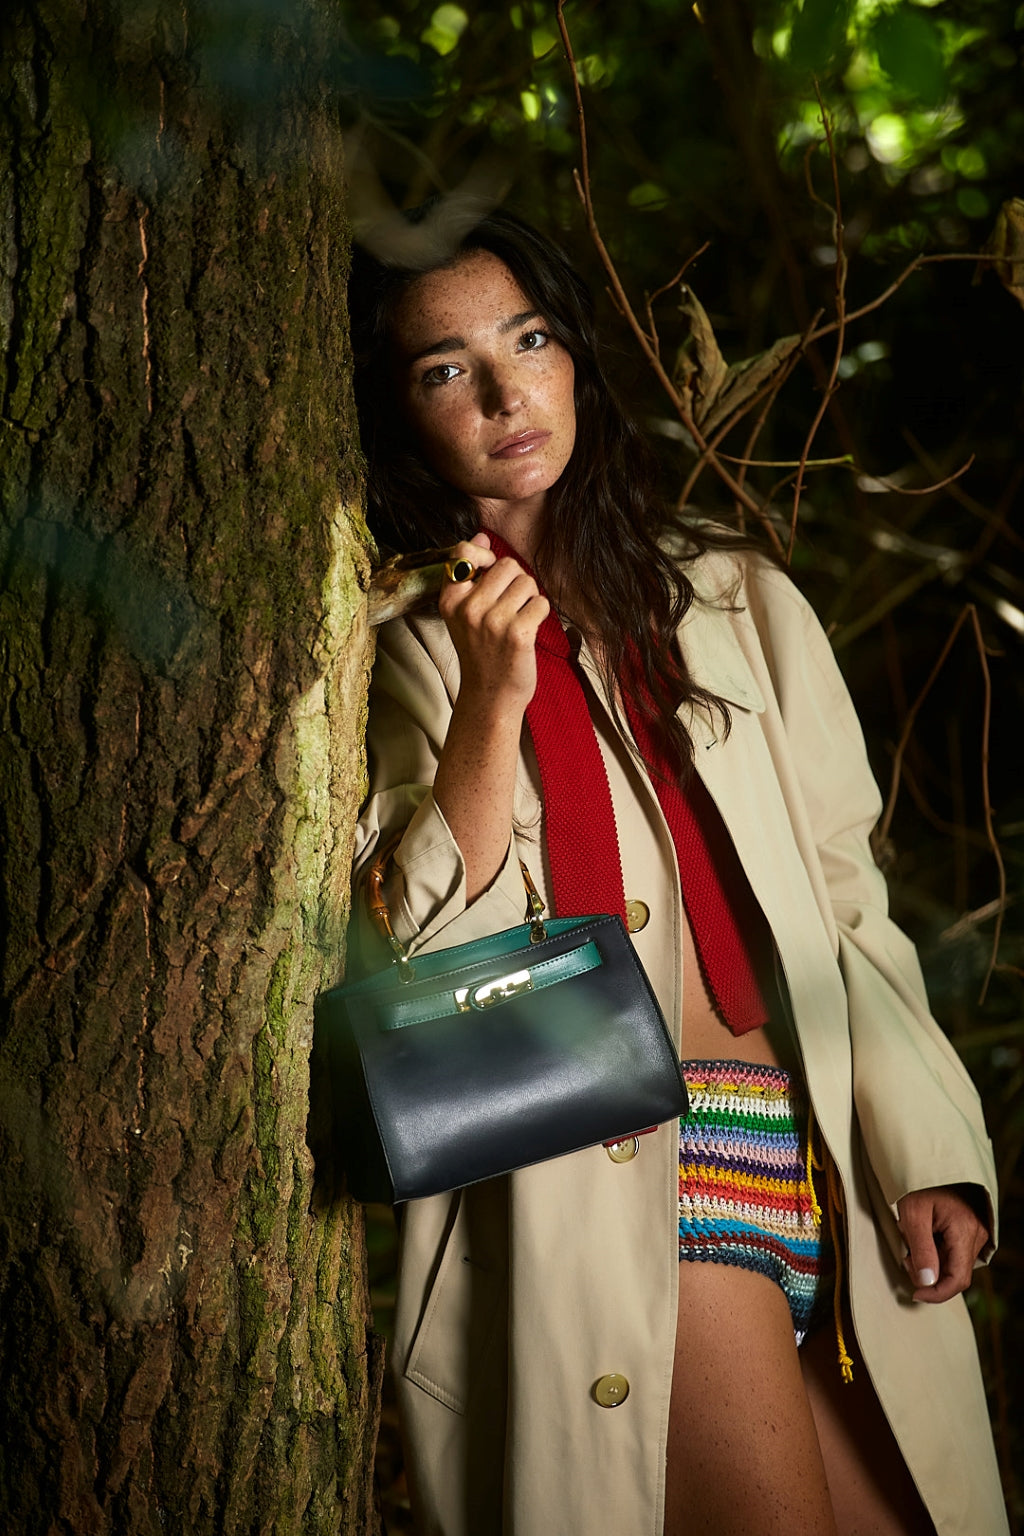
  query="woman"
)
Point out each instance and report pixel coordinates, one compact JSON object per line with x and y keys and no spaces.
{"x":582,"y":1346}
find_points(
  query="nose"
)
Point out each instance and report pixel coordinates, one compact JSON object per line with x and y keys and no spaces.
{"x":502,"y":394}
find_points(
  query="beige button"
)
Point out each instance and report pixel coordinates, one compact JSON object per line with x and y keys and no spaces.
{"x":623,"y":1151}
{"x":611,"y":1390}
{"x":638,"y":915}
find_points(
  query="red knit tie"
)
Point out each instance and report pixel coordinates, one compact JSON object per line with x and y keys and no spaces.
{"x":729,"y":929}
{"x":582,"y":841}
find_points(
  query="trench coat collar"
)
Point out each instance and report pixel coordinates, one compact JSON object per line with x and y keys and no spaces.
{"x":715,"y":657}
{"x":717,"y":663}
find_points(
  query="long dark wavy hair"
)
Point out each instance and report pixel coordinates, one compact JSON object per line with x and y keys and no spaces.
{"x":602,"y":518}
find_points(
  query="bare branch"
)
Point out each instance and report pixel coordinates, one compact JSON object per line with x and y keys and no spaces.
{"x":771,"y":396}
{"x":897,"y":283}
{"x":405,"y":583}
{"x":997,"y":526}
{"x":970,"y":920}
{"x":582,"y":182}
{"x":673,"y":282}
{"x":969,"y":612}
{"x":840,"y":296}
{"x":923,"y":490}
{"x":891,"y":598}
{"x":842,"y":460}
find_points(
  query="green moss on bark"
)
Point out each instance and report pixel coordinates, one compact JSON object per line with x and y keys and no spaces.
{"x":181,"y":705}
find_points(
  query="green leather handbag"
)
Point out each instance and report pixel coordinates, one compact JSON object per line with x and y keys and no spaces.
{"x":468,"y":1063}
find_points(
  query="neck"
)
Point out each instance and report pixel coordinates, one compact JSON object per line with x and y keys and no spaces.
{"x":524,"y":535}
{"x":520,"y":524}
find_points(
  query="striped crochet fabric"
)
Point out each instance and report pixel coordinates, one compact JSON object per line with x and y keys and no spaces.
{"x":744,"y":1198}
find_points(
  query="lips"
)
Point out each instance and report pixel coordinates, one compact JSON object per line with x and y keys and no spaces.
{"x":520,"y":443}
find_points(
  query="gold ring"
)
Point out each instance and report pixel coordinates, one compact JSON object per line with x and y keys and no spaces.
{"x":459,"y":570}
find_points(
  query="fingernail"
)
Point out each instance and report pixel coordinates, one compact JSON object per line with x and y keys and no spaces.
{"x":926,"y":1277}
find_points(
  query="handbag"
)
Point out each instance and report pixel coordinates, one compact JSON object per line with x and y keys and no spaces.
{"x":470,"y":1062}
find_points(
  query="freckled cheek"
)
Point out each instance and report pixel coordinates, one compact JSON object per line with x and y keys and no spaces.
{"x":565,"y":414}
{"x":446,"y":442}
{"x":563,"y":397}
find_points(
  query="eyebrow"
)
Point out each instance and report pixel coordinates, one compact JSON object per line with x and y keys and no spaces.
{"x":456,"y":343}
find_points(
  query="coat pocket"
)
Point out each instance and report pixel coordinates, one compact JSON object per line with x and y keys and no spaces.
{"x":455,"y":1344}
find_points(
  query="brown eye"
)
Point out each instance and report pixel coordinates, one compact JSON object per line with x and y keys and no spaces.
{"x":443,"y":373}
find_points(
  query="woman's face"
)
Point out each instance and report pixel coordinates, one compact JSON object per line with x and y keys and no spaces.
{"x":487,"y":389}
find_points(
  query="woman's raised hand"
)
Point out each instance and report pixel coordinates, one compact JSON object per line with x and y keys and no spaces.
{"x":493,"y":620}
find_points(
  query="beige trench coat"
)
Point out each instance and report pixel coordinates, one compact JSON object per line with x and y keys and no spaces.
{"x":517,"y":1296}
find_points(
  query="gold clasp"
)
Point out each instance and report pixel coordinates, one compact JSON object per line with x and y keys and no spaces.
{"x":378,"y":910}
{"x":534,"y":907}
{"x":487,"y":993}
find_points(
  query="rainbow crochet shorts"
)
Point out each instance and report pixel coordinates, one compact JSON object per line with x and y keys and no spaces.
{"x":744,"y":1193}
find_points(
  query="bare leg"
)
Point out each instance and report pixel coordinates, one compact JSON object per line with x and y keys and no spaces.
{"x":872,"y":1491}
{"x":743,"y":1455}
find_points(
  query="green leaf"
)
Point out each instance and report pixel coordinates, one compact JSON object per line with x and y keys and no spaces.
{"x":910,"y":52}
{"x":446,"y":27}
{"x":818,"y":34}
{"x":648,"y":196}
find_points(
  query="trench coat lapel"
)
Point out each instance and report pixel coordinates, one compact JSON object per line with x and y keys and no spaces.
{"x":753,"y":778}
{"x":742,"y":775}
{"x":717,"y":664}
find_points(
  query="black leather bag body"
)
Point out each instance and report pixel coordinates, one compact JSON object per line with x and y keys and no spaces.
{"x":473,"y":1061}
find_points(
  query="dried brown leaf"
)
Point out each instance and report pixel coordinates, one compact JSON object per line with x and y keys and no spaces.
{"x":1007,"y":242}
{"x":700,"y":370}
{"x":712,"y":389}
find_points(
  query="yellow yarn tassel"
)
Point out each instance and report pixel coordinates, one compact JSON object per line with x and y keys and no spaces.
{"x":812,"y":1164}
{"x":835,"y":1211}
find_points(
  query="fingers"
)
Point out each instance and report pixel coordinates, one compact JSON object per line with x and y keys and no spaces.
{"x":943,"y":1237}
{"x":501,"y":604}
{"x":922,"y":1260}
{"x":479,"y":582}
{"x":468,"y":558}
{"x":493,"y":616}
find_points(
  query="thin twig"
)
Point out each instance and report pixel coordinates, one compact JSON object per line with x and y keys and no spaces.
{"x":995,"y":519}
{"x":842,"y":459}
{"x":710,"y":456}
{"x":968,"y":612}
{"x":768,"y":391}
{"x":923,"y":490}
{"x":953,"y":830}
{"x":769,"y":400}
{"x":581,"y":179}
{"x":832,"y":385}
{"x":891,"y":598}
{"x":897,"y":283}
{"x":652,"y":298}
{"x":970,"y":920}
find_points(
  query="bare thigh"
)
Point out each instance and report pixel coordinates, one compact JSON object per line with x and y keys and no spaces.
{"x":743,"y":1454}
{"x":872,"y":1491}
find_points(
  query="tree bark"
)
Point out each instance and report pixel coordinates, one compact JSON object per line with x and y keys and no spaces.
{"x":184,"y":1328}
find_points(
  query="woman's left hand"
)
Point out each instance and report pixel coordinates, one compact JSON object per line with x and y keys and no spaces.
{"x":944,"y":1237}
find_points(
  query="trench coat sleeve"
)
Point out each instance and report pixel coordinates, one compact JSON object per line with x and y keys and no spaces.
{"x":919,"y":1114}
{"x":415,"y":679}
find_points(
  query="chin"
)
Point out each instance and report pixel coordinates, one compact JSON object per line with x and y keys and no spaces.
{"x":518,"y":487}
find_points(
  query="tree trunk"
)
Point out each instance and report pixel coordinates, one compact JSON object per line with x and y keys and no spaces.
{"x":185,"y":1342}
